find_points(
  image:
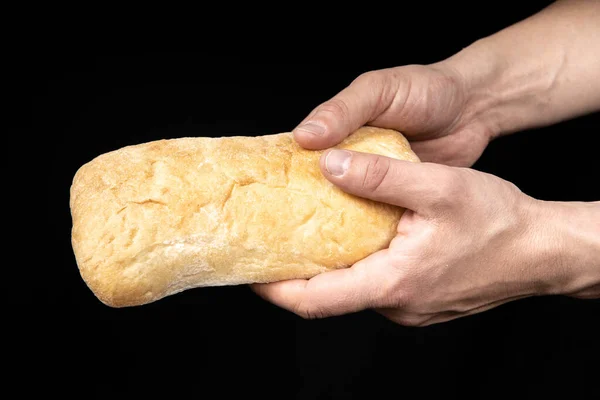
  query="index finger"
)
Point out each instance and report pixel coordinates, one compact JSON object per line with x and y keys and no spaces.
{"x":356,"y":105}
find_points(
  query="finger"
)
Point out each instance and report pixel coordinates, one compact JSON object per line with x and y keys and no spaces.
{"x":356,"y":105}
{"x":331,"y":293}
{"x":416,"y":186}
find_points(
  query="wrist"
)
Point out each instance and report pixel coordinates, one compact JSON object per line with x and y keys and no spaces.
{"x":563,"y":247}
{"x":537,"y":72}
{"x":503,"y":94}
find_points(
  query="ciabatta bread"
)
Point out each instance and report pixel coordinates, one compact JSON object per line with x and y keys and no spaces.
{"x":154,"y":219}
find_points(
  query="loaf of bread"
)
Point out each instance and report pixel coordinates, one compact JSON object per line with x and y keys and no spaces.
{"x":154,"y":219}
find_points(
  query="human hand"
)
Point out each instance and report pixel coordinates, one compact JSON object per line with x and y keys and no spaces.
{"x":428,"y":104}
{"x":468,"y":241}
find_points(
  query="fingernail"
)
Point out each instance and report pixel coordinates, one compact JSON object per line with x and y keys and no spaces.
{"x":337,"y":162}
{"x":313,"y":128}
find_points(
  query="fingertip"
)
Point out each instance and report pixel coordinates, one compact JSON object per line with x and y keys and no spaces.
{"x":319,"y":133}
{"x":262,"y":289}
{"x":312,"y":138}
{"x":306,"y":139}
{"x":257,"y":288}
{"x":283,"y":293}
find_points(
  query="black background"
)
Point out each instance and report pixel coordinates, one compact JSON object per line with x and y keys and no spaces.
{"x":83,"y":100}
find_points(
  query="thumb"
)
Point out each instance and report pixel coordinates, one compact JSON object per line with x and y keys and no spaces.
{"x":417,"y":186}
{"x":356,"y":105}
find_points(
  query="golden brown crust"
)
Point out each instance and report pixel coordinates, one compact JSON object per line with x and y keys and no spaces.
{"x":154,"y":219}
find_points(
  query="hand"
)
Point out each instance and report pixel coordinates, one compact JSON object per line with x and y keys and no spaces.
{"x":428,"y":104}
{"x":468,"y":242}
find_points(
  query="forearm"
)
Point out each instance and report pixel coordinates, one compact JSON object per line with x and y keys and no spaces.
{"x":564,"y":247}
{"x":537,"y":72}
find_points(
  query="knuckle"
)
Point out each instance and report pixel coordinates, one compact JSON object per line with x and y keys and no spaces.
{"x":401,"y":296}
{"x":375,"y":174}
{"x":381,"y":88}
{"x":335,"y":107}
{"x":308,"y":311}
{"x":404,"y":297}
{"x":410,"y":320}
{"x":398,"y":292}
{"x":447,"y":189}
{"x":369,"y":77}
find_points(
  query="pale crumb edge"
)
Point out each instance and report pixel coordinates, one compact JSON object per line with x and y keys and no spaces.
{"x":101,"y":293}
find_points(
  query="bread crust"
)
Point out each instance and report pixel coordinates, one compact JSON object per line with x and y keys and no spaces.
{"x":154,"y":219}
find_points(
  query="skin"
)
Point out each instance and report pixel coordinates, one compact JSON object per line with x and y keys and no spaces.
{"x":469,"y":241}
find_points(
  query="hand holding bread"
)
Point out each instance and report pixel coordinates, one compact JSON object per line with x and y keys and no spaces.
{"x":468,"y":241}
{"x":336,"y":217}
